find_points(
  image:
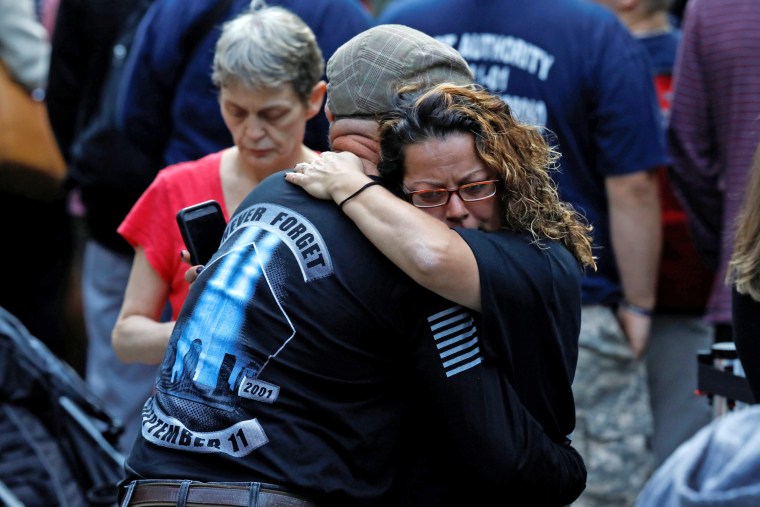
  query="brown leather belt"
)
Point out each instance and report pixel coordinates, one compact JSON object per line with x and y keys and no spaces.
{"x":161,"y":494}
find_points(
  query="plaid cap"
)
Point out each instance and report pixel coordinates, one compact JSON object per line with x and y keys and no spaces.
{"x":363,"y":73}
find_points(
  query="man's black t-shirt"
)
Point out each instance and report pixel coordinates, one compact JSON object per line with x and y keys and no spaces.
{"x":297,"y":354}
{"x":288,"y":360}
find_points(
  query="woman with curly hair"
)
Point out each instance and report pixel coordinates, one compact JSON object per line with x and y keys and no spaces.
{"x":456,"y":154}
{"x":483,"y":226}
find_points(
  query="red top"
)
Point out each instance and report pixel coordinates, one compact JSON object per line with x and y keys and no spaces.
{"x":152,"y":222}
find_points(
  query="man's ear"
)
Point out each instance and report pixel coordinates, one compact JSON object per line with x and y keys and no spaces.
{"x":328,"y":114}
{"x":314,"y":106}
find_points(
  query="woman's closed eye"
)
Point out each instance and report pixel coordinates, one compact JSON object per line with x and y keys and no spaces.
{"x":477,"y":190}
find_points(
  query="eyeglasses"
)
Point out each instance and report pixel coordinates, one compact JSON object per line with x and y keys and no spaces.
{"x":476,"y":191}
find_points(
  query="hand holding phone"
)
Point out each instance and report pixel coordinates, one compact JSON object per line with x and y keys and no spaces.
{"x":202,"y":226}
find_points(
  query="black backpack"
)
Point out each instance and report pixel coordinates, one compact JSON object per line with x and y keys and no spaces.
{"x":56,"y":439}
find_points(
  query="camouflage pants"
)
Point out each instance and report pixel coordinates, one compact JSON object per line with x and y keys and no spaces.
{"x":614,"y":419}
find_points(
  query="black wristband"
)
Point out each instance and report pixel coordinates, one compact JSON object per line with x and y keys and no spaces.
{"x":638,"y":310}
{"x":362,"y":189}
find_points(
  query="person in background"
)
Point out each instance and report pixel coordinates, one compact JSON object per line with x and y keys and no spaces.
{"x":465,"y":166}
{"x":713,"y":131}
{"x":571,"y":68}
{"x":34,"y":226}
{"x":296,"y":356}
{"x":743,"y":276}
{"x":684,"y":281}
{"x":268,"y":68}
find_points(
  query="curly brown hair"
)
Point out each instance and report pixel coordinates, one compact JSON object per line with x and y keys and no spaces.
{"x":518,"y":152}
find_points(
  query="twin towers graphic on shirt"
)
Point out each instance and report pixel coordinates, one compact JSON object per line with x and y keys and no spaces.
{"x":211,"y":350}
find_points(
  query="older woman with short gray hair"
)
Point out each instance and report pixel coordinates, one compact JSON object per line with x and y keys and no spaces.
{"x":268,"y":69}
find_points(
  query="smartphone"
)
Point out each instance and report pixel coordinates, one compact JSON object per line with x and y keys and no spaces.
{"x":202,"y":226}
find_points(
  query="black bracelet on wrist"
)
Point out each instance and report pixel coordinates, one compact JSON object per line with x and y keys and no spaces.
{"x":362,"y":189}
{"x":638,"y":310}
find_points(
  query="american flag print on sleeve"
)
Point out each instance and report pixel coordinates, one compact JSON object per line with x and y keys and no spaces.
{"x":456,"y":339}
